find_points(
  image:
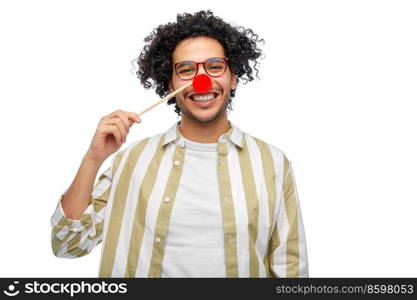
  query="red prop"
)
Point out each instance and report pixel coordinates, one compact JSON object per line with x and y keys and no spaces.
{"x":202,"y":83}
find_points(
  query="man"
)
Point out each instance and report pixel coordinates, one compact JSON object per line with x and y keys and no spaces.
{"x":203,"y":199}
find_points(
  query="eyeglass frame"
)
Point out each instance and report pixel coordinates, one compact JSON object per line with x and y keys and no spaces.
{"x":226,"y":60}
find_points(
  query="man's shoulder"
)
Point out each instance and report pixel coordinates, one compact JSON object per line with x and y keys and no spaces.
{"x":264,"y":145}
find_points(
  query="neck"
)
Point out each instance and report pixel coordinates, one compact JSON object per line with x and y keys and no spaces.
{"x":203,"y":132}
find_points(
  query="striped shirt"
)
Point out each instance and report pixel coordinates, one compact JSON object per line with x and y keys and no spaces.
{"x":132,"y":202}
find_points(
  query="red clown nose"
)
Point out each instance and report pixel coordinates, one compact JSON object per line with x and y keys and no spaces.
{"x":202,"y":83}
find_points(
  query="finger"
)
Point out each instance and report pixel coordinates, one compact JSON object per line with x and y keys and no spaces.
{"x":116,"y":133}
{"x":133,"y":116}
{"x":123,"y":117}
{"x":112,"y":129}
{"x":111,"y":115}
{"x":120,"y":126}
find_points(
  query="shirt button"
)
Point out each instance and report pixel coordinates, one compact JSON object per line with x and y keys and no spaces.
{"x":177,"y":163}
{"x":158,"y":239}
{"x":167,"y":199}
{"x":222,"y":139}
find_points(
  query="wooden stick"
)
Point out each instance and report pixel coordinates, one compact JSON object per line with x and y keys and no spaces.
{"x":169,"y":96}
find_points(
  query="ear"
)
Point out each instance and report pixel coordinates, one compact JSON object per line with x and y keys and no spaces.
{"x":234,"y":81}
{"x":171,"y":86}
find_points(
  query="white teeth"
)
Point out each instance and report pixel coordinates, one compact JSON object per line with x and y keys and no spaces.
{"x":203,"y":97}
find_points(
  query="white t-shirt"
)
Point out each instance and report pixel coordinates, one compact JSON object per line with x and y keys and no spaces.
{"x":194,"y":244}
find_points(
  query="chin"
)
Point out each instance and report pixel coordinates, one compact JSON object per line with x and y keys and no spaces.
{"x":201,"y":118}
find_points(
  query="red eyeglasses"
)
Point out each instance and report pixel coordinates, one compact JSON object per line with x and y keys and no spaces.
{"x":214,"y":67}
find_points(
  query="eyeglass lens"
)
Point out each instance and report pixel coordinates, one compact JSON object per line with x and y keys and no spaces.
{"x":214,"y":67}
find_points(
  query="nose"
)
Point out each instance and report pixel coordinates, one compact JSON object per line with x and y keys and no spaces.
{"x":200,"y":69}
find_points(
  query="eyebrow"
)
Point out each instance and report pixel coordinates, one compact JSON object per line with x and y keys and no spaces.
{"x":182,"y":63}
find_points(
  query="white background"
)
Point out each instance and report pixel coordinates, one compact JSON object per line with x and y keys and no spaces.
{"x":337,"y":93}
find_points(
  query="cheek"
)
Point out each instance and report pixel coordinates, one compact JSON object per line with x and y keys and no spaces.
{"x":226,"y":85}
{"x":175,"y":83}
{"x":179,"y":97}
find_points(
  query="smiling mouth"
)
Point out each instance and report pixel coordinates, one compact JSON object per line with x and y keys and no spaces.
{"x":206,"y":97}
{"x":203,"y":97}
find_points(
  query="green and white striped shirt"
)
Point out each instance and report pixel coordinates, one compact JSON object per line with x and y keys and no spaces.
{"x":131,"y":207}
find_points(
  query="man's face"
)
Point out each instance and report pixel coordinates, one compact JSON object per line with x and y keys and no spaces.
{"x":200,"y":49}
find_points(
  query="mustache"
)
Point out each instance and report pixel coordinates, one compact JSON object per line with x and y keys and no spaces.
{"x":191,"y":91}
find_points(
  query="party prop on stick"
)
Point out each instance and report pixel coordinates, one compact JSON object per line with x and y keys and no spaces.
{"x":201,"y":84}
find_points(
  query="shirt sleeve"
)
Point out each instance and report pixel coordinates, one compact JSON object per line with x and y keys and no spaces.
{"x":76,"y":238}
{"x":288,"y":248}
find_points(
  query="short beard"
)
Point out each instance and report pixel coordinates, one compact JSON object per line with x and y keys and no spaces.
{"x":188,"y":114}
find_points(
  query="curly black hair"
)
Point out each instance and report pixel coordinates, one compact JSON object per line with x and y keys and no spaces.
{"x":155,"y":61}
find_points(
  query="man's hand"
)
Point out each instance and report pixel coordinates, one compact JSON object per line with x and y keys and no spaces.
{"x":111,"y":134}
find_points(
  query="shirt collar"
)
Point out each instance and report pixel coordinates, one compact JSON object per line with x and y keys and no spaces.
{"x":234,"y":135}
